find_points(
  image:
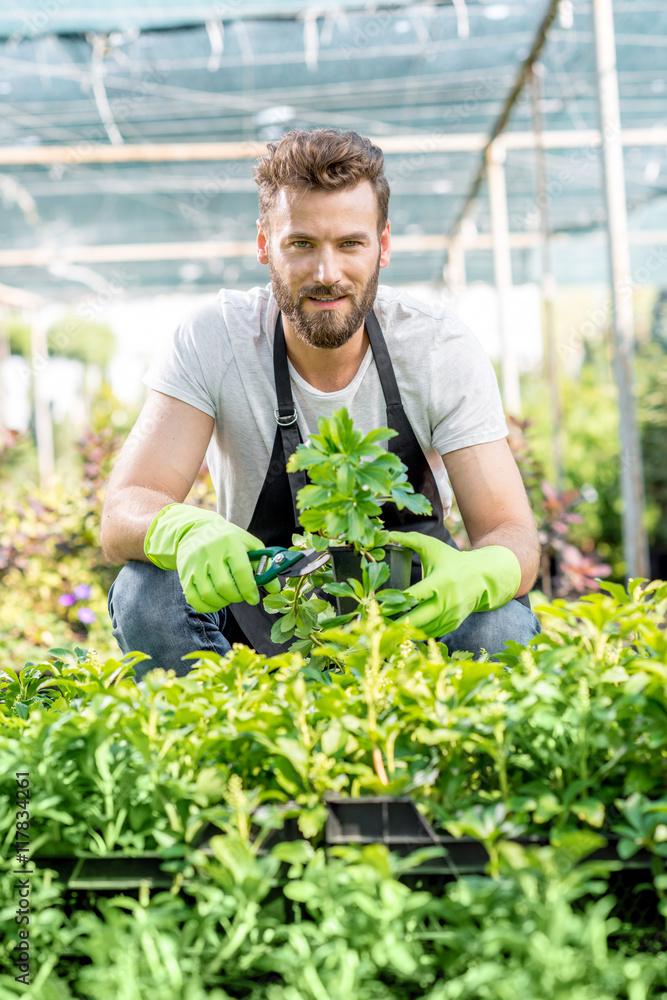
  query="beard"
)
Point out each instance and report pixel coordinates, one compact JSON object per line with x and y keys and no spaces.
{"x":326,"y":329}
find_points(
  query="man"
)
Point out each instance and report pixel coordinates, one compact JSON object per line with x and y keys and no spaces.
{"x":244,"y":374}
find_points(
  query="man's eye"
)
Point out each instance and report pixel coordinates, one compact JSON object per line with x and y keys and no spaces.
{"x":354,"y":243}
{"x":300,"y":244}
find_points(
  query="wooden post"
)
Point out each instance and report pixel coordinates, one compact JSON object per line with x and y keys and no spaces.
{"x":4,"y":353}
{"x":635,"y":545}
{"x":456,"y":265}
{"x":43,"y":424}
{"x":548,"y":290}
{"x":454,"y":273}
{"x":502,"y":264}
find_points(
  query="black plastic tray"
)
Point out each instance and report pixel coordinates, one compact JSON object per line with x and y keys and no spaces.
{"x":376,"y":819}
{"x":396,"y":822}
{"x":114,"y":872}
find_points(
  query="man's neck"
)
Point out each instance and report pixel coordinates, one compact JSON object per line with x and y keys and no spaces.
{"x":326,"y":369}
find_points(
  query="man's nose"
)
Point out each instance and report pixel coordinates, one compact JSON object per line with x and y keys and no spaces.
{"x":327,"y":267}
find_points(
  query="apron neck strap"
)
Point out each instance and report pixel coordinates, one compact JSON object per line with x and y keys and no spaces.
{"x":286,"y":413}
{"x":385,"y":369}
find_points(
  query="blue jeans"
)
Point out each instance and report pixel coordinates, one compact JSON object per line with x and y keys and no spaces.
{"x":149,"y":613}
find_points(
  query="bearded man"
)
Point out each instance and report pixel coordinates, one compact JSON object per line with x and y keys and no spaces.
{"x":320,"y":335}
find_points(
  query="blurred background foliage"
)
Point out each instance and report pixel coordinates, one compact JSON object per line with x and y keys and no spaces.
{"x":71,"y":337}
{"x":49,"y":538}
{"x":49,"y":541}
{"x":591,"y":463}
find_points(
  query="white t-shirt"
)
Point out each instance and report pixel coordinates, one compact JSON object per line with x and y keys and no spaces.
{"x":221,"y":361}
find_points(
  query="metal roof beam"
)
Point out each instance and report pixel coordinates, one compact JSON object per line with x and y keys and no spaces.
{"x":512,"y":97}
{"x":429,"y":142}
{"x":19,"y":298}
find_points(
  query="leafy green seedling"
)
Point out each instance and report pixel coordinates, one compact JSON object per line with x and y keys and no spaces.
{"x":351,"y":476}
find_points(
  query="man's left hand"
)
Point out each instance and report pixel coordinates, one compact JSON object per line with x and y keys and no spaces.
{"x":457,"y":583}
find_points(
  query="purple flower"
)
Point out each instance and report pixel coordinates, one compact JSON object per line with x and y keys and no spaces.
{"x":82,"y":591}
{"x":67,"y":600}
{"x":86,"y":616}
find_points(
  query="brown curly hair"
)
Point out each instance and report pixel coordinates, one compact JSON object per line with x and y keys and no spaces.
{"x":327,"y":158}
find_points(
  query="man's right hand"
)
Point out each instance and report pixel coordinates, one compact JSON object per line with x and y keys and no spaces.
{"x":209,"y":553}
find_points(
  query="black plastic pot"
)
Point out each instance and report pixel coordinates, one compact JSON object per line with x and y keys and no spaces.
{"x":346,"y":564}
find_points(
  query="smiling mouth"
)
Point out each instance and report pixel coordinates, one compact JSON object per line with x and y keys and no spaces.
{"x":322,"y":298}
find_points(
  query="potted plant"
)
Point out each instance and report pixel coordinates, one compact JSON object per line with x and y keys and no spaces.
{"x":351,"y":475}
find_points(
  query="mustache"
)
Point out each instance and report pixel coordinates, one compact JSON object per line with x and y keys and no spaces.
{"x":326,"y":291}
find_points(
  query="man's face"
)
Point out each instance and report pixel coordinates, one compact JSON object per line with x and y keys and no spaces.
{"x":324,"y":259}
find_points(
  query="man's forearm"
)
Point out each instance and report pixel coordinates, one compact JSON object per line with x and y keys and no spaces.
{"x":126,"y":517}
{"x":524,"y":543}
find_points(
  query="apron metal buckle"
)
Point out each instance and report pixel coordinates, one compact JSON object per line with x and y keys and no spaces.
{"x":285,"y":421}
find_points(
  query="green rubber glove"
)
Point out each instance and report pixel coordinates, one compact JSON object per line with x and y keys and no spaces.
{"x":210,"y":554}
{"x":457,"y":583}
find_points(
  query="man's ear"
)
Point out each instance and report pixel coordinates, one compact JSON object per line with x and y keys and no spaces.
{"x":385,"y":245}
{"x":262,"y":245}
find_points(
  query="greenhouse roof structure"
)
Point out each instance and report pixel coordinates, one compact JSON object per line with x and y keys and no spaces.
{"x":129,"y":132}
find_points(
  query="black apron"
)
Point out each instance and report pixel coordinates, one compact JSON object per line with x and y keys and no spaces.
{"x":275,"y":518}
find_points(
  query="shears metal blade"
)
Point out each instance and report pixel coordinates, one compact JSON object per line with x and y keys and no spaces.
{"x":276,"y":561}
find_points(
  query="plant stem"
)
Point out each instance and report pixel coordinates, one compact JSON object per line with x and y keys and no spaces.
{"x":501,"y":760}
{"x":297,"y":592}
{"x":494,"y":860}
{"x":379,"y":766}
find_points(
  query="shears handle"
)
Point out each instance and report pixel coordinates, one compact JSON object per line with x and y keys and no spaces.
{"x":273,"y":561}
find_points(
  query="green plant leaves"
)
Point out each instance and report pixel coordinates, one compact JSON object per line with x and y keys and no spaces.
{"x":463,"y":722}
{"x":341,"y":589}
{"x":374,"y":575}
{"x":351,"y":475}
{"x":547,"y":741}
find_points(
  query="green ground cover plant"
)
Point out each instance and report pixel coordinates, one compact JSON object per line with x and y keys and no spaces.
{"x":305,"y":924}
{"x":566,"y":738}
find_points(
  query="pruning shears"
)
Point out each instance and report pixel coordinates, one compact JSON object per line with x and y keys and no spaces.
{"x":276,"y":561}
